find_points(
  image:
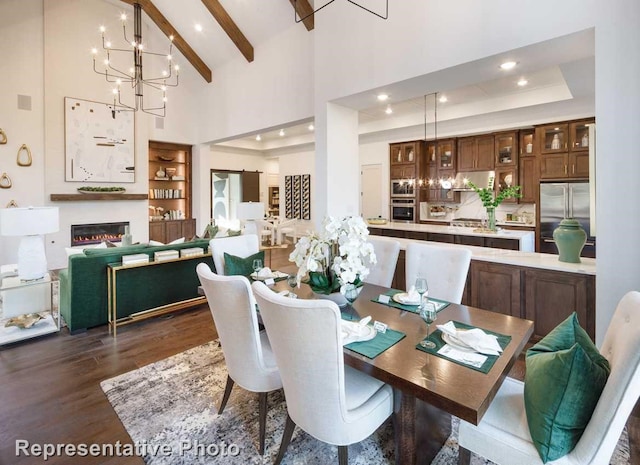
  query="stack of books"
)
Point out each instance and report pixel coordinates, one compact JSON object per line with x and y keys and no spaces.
{"x":135,"y":258}
{"x":165,"y":255}
{"x":192,"y":252}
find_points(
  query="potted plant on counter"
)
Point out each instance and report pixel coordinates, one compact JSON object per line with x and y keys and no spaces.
{"x":490,"y":200}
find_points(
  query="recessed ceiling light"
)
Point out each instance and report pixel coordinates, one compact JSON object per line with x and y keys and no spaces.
{"x":311,"y":127}
{"x":281,"y":132}
{"x":388,"y":111}
{"x":507,"y":65}
{"x":198,"y":27}
{"x":383,"y":97}
{"x":258,"y":138}
{"x":443,"y":99}
{"x":523,"y":82}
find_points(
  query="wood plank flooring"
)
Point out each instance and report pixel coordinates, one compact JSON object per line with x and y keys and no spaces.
{"x":50,"y":387}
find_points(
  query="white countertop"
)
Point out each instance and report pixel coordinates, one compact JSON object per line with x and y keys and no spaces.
{"x":542,"y":261}
{"x":461,"y":231}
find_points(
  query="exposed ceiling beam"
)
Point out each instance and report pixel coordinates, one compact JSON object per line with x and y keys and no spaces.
{"x":304,"y":10}
{"x":181,"y":44}
{"x":234,"y":33}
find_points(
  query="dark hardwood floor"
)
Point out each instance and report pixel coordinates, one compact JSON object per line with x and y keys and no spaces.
{"x":50,"y":387}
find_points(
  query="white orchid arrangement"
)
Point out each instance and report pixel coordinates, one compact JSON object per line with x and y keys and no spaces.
{"x":336,"y":256}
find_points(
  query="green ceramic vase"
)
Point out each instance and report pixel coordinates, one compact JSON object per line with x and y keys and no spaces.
{"x":570,"y":239}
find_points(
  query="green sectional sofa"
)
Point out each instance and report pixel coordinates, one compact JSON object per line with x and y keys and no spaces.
{"x":84,"y":289}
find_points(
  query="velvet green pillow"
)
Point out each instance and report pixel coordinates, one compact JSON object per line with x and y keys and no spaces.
{"x":233,"y":232}
{"x":240,"y":266}
{"x":564,"y":379}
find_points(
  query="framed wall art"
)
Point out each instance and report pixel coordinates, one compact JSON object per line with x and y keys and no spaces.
{"x":99,"y":142}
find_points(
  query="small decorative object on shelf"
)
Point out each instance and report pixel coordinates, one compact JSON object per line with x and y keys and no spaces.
{"x":161,"y":173}
{"x":570,"y":239}
{"x":3,"y":137}
{"x":335,"y":257}
{"x":101,"y":190}
{"x":25,"y":321}
{"x":585,"y":140}
{"x":490,"y":200}
{"x":24,"y":148}
{"x":555,"y":142}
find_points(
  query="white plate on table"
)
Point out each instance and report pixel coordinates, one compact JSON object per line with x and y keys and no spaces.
{"x":401,"y":296}
{"x":274,"y":275}
{"x":457,"y":343}
{"x":352,"y":331}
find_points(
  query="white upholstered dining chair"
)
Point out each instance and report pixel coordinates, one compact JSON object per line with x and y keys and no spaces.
{"x":503,"y":434}
{"x":387,"y":251}
{"x":444,"y":267}
{"x":287,"y":228}
{"x":330,"y":401}
{"x":240,"y":246}
{"x":247,"y":352}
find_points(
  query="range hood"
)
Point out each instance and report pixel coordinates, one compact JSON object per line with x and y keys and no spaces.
{"x":479,"y":178}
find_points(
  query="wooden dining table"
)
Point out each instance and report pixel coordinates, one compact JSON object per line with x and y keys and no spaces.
{"x":428,"y":389}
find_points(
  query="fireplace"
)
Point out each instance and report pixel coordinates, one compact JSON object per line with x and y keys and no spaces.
{"x":85,"y":234}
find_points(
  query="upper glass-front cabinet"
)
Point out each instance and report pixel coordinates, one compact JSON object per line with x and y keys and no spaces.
{"x":554,"y":138}
{"x":579,"y":135}
{"x":506,"y":147}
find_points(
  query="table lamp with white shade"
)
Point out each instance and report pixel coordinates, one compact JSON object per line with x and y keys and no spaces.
{"x":31,"y":223}
{"x":249,"y":212}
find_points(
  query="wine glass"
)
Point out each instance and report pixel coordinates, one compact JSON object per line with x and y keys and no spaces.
{"x":429,"y":315}
{"x":351,"y":293}
{"x":257,"y":265}
{"x":421,"y":288}
{"x":292,"y":281}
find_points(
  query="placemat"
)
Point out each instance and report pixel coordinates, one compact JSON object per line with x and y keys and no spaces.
{"x":440,"y":304}
{"x":436,"y":337}
{"x":374,"y":347}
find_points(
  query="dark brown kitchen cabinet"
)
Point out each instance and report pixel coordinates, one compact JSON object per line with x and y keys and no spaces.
{"x":551,"y":296}
{"x":402,"y":171}
{"x":445,"y":154}
{"x":170,"y":230}
{"x":506,"y":149}
{"x":573,"y":165}
{"x":404,"y":152}
{"x":506,"y":177}
{"x":553,"y":138}
{"x":527,"y":146}
{"x":579,"y":135}
{"x":496,"y":287}
{"x":529,"y":182}
{"x":476,"y":153}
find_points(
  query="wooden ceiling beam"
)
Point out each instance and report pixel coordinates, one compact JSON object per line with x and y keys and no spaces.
{"x":230,"y":27}
{"x":304,"y":10}
{"x":165,"y":26}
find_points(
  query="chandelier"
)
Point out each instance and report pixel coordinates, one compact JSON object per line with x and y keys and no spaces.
{"x":353,"y":2}
{"x":133,"y":78}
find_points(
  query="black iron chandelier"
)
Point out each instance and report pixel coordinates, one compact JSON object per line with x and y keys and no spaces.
{"x":133,"y":78}
{"x":300,"y":19}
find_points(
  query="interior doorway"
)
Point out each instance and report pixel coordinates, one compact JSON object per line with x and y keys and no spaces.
{"x":371,"y":191}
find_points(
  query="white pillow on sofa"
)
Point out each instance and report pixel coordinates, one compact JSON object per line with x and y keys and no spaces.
{"x":177,"y":241}
{"x":80,"y":250}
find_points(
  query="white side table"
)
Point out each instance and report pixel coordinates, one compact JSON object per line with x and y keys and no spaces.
{"x":19,"y":298}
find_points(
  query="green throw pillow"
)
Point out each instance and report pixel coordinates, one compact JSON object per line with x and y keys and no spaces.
{"x":210,"y":231}
{"x":564,"y":379}
{"x":240,"y":266}
{"x":232,"y":233}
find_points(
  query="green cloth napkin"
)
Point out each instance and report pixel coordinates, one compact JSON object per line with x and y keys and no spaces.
{"x":436,"y":337}
{"x":374,"y":347}
{"x":440,"y":304}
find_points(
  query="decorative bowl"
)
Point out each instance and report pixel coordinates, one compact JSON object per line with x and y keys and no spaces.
{"x":170,"y":171}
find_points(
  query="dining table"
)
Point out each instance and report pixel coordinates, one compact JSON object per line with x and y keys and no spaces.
{"x":428,"y":388}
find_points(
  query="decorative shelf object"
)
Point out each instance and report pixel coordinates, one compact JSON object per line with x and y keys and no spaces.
{"x":96,"y":196}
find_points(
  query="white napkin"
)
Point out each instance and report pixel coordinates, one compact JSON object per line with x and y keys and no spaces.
{"x":353,"y":331}
{"x":412,"y":296}
{"x":265,"y":272}
{"x":475,"y":338}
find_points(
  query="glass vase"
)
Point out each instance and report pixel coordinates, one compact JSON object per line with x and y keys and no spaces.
{"x":491,"y":219}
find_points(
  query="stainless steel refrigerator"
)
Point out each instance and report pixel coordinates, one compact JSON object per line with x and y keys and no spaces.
{"x":564,"y":200}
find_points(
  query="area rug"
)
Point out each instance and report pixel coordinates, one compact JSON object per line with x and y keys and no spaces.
{"x":169,"y":409}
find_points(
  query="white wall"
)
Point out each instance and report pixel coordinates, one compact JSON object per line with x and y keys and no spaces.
{"x":275,"y":89}
{"x":22,"y":73}
{"x":222,"y":158}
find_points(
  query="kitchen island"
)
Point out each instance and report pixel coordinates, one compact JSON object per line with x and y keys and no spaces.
{"x":528,"y":285}
{"x":523,"y":241}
